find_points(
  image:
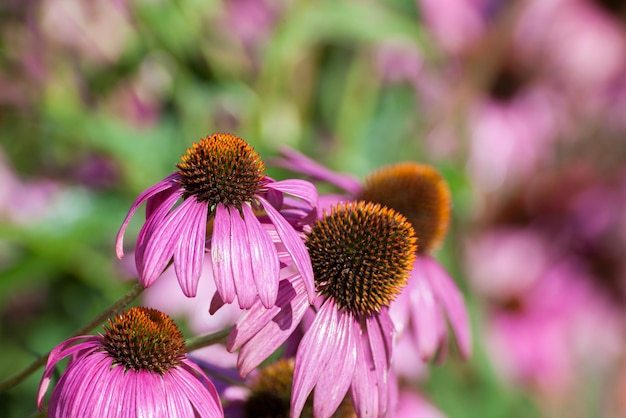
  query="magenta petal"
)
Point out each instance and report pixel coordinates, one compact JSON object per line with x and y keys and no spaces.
{"x":300,"y":163}
{"x":240,"y":261}
{"x":148,"y":228}
{"x":216,"y":303}
{"x":364,"y":388}
{"x":294,"y":246}
{"x":380,"y":344}
{"x":426,"y":314}
{"x":269,"y":338}
{"x":164,"y":184}
{"x":220,"y":254}
{"x":250,"y":322}
{"x":299,"y":188}
{"x":318,"y":345}
{"x":163,"y":241}
{"x":452,"y":299}
{"x":189,"y":252}
{"x":263,"y":258}
{"x":333,"y":384}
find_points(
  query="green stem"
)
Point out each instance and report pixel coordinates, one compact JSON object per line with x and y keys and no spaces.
{"x":109,"y":312}
{"x":208,"y":339}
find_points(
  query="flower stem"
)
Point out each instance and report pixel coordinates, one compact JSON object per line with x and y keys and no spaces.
{"x":208,"y":339}
{"x":109,"y":312}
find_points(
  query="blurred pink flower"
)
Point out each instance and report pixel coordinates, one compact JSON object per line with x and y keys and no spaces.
{"x":413,"y":405}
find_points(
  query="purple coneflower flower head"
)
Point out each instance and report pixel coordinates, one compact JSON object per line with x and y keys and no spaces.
{"x":419,"y":193}
{"x":222,"y":183}
{"x":268,"y":394}
{"x":137,"y":367}
{"x":362,"y":254}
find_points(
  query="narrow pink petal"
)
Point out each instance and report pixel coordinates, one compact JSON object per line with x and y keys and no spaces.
{"x":250,"y":322}
{"x":334,"y":383}
{"x":164,"y":184}
{"x":176,"y":398}
{"x":189,"y":252}
{"x":163,"y":241}
{"x":263,"y":259}
{"x":240,"y":261}
{"x":452,"y":299}
{"x":364,"y":388}
{"x":199,"y":390}
{"x":294,"y":246}
{"x":426,"y":315}
{"x":300,"y":163}
{"x":148,"y":228}
{"x":216,"y":303}
{"x":220,"y":254}
{"x":318,"y":345}
{"x":66,"y":348}
{"x":380,"y":344}
{"x":157,"y":199}
{"x":299,"y":188}
{"x":270,"y":337}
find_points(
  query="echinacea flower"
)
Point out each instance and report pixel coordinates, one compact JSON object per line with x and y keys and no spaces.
{"x":418,"y":192}
{"x":137,"y":367}
{"x":268,"y":394}
{"x":361,"y":255}
{"x":222,"y":182}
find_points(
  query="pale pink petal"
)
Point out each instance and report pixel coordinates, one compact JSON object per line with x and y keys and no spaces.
{"x":263,"y":258}
{"x":333,"y":384}
{"x":318,"y":345}
{"x":452,"y":300}
{"x":221,"y":256}
{"x":189,"y":252}
{"x":148,"y":228}
{"x":299,"y":188}
{"x":163,"y":241}
{"x":240,"y":261}
{"x":300,"y":163}
{"x":364,"y":388}
{"x":427,"y":322}
{"x":146,"y":194}
{"x":380,"y":345}
{"x":294,"y":245}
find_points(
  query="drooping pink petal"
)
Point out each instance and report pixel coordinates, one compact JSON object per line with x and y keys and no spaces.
{"x":221,"y":256}
{"x":300,"y":163}
{"x":364,"y":388}
{"x":380,"y":345}
{"x":318,"y":345}
{"x":163,"y":241}
{"x":189,"y":252}
{"x":66,"y":348}
{"x":426,"y":315}
{"x":298,"y":188}
{"x":333,"y":384}
{"x":148,"y":228}
{"x":253,"y":320}
{"x":146,"y":194}
{"x":294,"y":245}
{"x":158,"y":199}
{"x":450,"y":296}
{"x":263,"y":259}
{"x":240,"y":261}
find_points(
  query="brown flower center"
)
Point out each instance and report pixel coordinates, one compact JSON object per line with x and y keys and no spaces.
{"x":270,"y":395}
{"x":418,"y":192}
{"x":362,"y":254}
{"x":144,"y":339}
{"x":221,"y":168}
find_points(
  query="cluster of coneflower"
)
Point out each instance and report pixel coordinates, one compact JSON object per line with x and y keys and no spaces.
{"x":357,"y":263}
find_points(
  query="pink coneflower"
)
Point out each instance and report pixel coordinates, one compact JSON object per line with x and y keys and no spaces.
{"x":138,"y":367}
{"x":222,"y":182}
{"x":362,"y":255}
{"x":418,"y":192}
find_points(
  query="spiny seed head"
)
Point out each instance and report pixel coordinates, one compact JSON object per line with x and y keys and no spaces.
{"x":270,"y":394}
{"x":362,"y":254}
{"x":221,"y":168}
{"x":418,"y":192}
{"x":144,"y":339}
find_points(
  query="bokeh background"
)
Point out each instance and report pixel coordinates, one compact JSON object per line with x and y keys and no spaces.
{"x":521,"y":105}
